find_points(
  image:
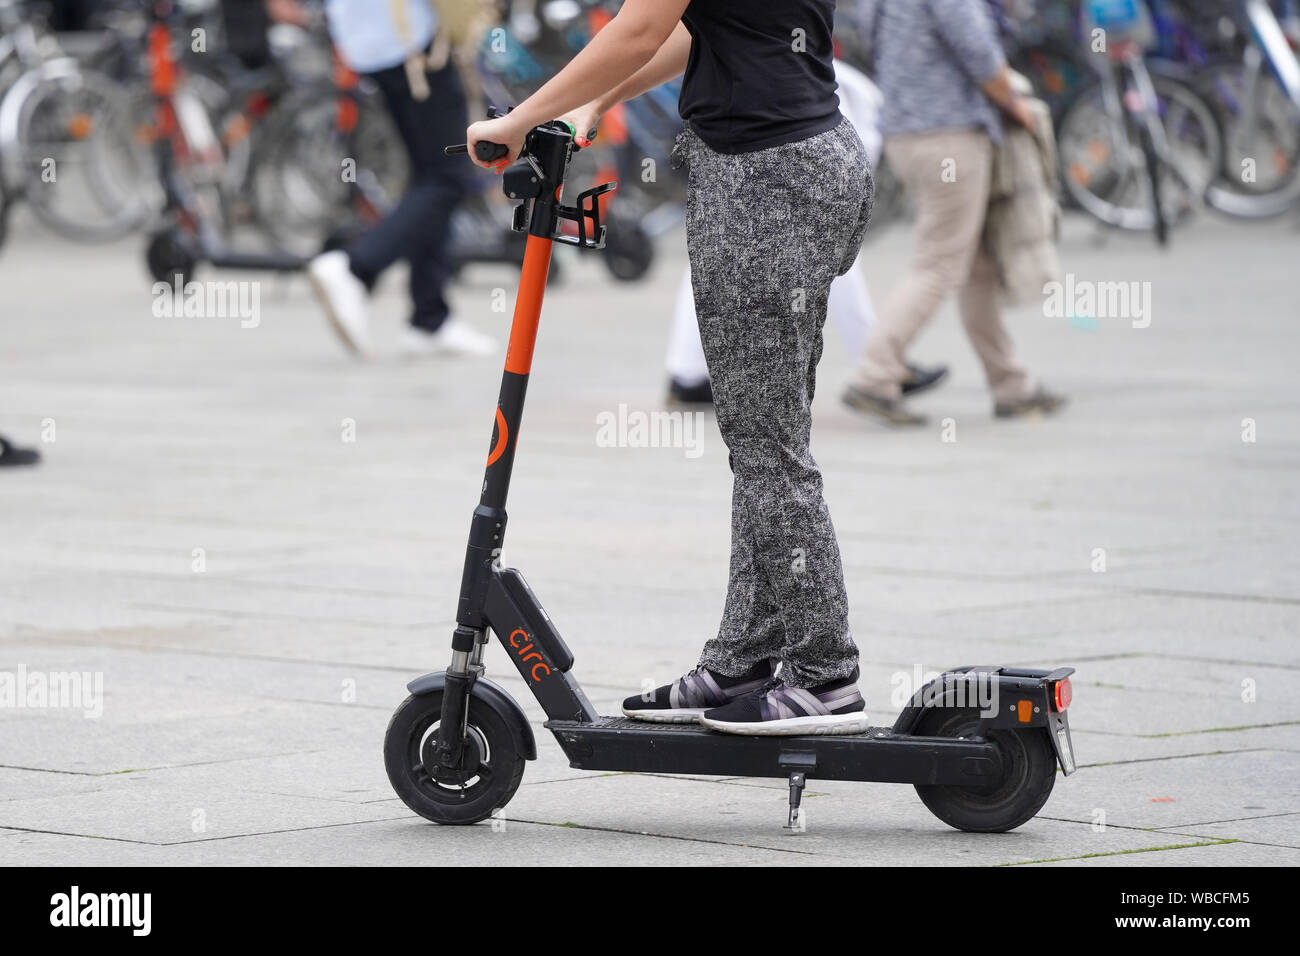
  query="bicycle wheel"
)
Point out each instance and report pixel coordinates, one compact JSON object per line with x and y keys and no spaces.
{"x":305,"y":167}
{"x":72,"y":153}
{"x":1105,"y":169}
{"x":1260,"y":174}
{"x":4,"y":213}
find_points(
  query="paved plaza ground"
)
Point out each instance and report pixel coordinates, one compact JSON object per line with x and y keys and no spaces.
{"x":256,"y":589}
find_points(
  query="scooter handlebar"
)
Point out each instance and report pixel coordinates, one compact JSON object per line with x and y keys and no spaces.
{"x":485,"y":151}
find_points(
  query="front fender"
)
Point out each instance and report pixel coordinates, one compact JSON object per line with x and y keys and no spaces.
{"x":495,"y":696}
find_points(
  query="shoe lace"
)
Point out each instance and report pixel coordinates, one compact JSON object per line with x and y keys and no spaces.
{"x":769,"y":685}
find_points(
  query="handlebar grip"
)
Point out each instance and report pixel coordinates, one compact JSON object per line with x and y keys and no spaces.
{"x":487,"y":152}
{"x":484,"y":150}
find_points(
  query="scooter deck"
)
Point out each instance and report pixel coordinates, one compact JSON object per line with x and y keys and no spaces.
{"x":878,"y":754}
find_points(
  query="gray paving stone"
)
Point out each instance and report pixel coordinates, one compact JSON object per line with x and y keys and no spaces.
{"x":330,"y":561}
{"x":402,"y":843}
{"x":17,"y":784}
{"x":1224,"y":855}
{"x":144,"y":812}
{"x":1184,"y":791}
{"x":1282,"y":830}
{"x":859,"y":824}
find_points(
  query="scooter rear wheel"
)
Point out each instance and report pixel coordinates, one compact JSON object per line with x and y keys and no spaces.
{"x":1028,"y":774}
{"x":488,"y":776}
{"x":629,"y":250}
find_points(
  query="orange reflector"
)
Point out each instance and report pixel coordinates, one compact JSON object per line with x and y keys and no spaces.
{"x":1025,"y":711}
{"x":81,"y":126}
{"x":1063,"y":695}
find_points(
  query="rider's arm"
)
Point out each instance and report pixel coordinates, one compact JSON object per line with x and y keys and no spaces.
{"x":623,"y":48}
{"x":668,"y":63}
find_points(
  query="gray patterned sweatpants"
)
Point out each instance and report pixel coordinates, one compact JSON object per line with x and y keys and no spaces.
{"x":767,"y":231}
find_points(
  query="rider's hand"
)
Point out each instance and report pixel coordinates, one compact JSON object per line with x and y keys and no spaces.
{"x":505,"y":130}
{"x":583,"y":120}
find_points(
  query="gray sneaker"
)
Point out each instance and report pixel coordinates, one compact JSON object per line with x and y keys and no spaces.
{"x":891,"y":410}
{"x":685,"y":699}
{"x":1041,"y":402}
{"x":778,"y":710}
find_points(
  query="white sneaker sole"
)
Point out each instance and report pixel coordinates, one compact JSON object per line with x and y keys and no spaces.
{"x":679,"y":715}
{"x":327,"y":304}
{"x":830,"y":725}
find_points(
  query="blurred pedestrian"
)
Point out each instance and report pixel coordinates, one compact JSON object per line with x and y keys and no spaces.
{"x":246,"y":23}
{"x":946,"y":85}
{"x":386,"y":41}
{"x":11,"y":455}
{"x":70,"y":16}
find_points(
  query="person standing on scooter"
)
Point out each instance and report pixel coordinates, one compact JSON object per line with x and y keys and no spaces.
{"x":385,"y":41}
{"x":778,"y":199}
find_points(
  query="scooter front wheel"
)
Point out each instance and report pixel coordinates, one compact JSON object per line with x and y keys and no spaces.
{"x":1028,"y":773}
{"x":490,"y":770}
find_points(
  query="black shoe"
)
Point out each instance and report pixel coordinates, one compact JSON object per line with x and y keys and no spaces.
{"x":891,"y":410}
{"x":1042,"y":402}
{"x":690,"y":394}
{"x":685,"y":699}
{"x":777,"y":709}
{"x":11,"y":456}
{"x":923,"y":379}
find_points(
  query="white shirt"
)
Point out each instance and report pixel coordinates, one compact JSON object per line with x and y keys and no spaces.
{"x":367,"y":34}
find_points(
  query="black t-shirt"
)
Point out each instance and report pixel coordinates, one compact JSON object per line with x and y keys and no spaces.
{"x":760,"y":72}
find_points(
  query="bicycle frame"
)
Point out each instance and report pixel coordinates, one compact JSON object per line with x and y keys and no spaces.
{"x":1271,"y":45}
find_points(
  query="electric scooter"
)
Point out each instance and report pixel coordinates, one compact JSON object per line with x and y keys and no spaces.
{"x":189,"y":156}
{"x":980,"y":744}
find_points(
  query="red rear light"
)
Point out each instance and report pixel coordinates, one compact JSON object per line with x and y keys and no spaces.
{"x":1062,"y":695}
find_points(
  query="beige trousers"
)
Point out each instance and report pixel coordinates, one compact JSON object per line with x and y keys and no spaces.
{"x":947,"y":173}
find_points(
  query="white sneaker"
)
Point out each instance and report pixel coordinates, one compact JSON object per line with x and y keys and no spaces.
{"x":452,"y":338}
{"x":344,"y":298}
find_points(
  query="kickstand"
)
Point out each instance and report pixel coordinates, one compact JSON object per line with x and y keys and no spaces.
{"x":798,"y":764}
{"x":797,"y":779}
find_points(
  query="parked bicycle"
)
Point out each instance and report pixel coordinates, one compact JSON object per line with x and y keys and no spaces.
{"x":1256,"y":98}
{"x":68,"y":143}
{"x":1138,"y":149}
